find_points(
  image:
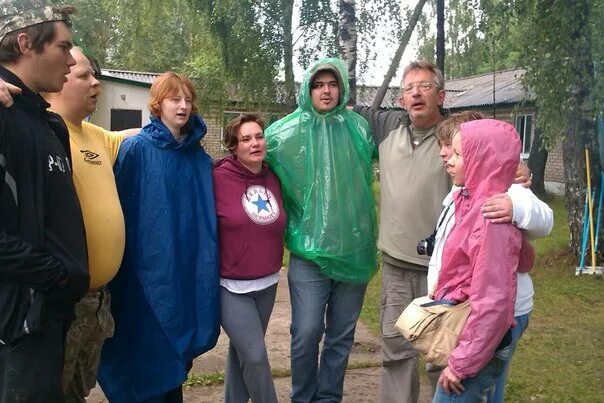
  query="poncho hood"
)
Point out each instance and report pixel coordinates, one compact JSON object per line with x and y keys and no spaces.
{"x":339,"y":69}
{"x":491,"y":153}
{"x":158,"y":133}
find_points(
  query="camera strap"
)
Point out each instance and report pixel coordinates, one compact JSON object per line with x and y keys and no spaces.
{"x":442,"y":217}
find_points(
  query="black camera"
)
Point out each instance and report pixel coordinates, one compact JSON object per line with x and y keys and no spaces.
{"x":426,"y":246}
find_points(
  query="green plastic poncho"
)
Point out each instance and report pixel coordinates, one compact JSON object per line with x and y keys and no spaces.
{"x":324,"y":164}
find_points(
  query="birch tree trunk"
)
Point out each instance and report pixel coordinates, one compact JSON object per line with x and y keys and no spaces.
{"x":347,"y":40}
{"x":288,"y":54}
{"x":440,"y":35}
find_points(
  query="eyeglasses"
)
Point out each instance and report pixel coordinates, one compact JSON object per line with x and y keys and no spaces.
{"x":423,"y":86}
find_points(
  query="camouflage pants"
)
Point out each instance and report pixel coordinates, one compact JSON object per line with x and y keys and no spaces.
{"x":92,"y":325}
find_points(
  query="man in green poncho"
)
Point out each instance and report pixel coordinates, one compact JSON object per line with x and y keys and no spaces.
{"x":322,"y":153}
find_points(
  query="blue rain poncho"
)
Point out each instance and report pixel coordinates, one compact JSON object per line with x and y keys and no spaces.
{"x":324,"y":162}
{"x":165,"y":297}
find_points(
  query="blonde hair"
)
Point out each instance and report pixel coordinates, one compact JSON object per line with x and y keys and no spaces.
{"x":448,"y":127}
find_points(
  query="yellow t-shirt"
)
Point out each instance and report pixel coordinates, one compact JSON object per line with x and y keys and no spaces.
{"x":93,"y":152}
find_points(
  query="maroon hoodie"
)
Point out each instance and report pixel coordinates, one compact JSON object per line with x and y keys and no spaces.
{"x":251,"y":220}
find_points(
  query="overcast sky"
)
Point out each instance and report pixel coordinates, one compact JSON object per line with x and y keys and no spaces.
{"x":385,"y":53}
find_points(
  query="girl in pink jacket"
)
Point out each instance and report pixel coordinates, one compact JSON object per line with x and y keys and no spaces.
{"x":480,"y":259}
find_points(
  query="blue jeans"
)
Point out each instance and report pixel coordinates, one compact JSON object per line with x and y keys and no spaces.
{"x":496,"y":395}
{"x":321,"y":307}
{"x":478,"y":387}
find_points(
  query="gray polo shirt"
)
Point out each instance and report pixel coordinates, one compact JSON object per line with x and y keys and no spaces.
{"x":413,"y":185}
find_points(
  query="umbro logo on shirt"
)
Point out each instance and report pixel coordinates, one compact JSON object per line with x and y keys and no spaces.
{"x":90,"y":157}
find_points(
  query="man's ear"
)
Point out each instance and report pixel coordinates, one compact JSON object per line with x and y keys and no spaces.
{"x":441,"y":97}
{"x":401,"y":101}
{"x":24,"y":43}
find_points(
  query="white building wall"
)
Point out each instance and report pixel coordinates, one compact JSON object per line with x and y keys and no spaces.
{"x":119,"y":96}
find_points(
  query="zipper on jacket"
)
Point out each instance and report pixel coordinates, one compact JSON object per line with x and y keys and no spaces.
{"x":31,"y":303}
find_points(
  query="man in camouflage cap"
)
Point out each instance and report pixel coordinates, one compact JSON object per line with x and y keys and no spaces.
{"x":43,"y":260}
{"x":16,"y":15}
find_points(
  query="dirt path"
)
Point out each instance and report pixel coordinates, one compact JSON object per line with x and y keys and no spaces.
{"x":361,"y":385}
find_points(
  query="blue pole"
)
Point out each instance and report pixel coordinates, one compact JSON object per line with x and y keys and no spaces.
{"x":600,"y":200}
{"x":584,"y":235}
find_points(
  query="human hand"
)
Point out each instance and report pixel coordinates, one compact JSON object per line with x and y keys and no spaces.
{"x":523,"y":175}
{"x":450,"y":383}
{"x":498,"y":208}
{"x":6,"y":92}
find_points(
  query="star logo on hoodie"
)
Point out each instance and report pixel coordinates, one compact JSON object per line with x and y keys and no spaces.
{"x":260,"y":204}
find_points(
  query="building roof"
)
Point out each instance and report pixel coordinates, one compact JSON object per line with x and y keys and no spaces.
{"x":461,"y":93}
{"x":138,"y":78}
{"x":477,"y":91}
{"x":366,"y":94}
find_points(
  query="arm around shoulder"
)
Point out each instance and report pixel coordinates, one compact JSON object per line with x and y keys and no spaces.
{"x":381,"y":121}
{"x":534,"y":217}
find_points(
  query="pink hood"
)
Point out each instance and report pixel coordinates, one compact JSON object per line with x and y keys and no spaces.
{"x":480,"y":258}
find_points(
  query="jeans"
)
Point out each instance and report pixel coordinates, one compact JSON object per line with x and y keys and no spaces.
{"x":321,"y":308}
{"x":496,"y":395}
{"x":478,"y":386}
{"x":245,"y":317}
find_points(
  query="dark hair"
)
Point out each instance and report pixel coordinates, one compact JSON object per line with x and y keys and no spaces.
{"x":229,"y":136}
{"x":39,"y":34}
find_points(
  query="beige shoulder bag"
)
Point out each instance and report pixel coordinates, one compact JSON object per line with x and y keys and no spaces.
{"x":433,"y":327}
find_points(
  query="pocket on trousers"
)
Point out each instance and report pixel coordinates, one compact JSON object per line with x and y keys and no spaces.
{"x":494,"y":368}
{"x":392,"y":307}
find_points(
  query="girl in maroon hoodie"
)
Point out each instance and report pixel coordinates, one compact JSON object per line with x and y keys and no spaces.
{"x":480,"y":259}
{"x":251,"y":222}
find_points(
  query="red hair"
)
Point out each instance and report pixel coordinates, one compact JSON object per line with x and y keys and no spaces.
{"x":168,"y":84}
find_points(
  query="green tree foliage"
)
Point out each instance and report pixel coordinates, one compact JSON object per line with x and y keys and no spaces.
{"x":563,"y":58}
{"x":480,"y":36}
{"x":92,"y":28}
{"x":228,"y":47}
{"x":150,"y":35}
{"x":244,"y":32}
{"x":560,"y":44}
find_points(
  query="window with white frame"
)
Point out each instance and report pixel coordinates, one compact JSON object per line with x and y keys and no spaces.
{"x":524,"y":126}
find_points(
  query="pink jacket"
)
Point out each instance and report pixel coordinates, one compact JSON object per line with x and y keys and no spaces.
{"x":480,"y":258}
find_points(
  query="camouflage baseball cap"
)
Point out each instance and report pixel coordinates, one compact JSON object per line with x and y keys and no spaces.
{"x":19,"y":14}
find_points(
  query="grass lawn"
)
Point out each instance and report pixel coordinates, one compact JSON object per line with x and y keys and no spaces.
{"x":560,"y":357}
